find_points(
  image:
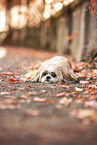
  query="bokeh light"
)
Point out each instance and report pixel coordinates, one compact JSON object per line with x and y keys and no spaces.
{"x":30,"y":15}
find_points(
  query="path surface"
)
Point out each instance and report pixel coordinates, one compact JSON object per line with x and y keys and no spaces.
{"x":45,"y":114}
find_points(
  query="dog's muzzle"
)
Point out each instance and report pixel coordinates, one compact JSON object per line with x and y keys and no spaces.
{"x":47,"y":78}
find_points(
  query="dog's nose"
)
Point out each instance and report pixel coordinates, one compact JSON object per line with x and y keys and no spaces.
{"x":48,"y":77}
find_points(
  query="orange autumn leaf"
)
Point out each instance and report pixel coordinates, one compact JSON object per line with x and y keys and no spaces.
{"x":13,"y":81}
{"x":94,"y":8}
{"x":11,"y":91}
{"x":93,"y":1}
{"x":60,"y":83}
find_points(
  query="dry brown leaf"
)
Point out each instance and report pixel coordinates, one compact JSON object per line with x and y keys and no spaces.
{"x":64,"y":86}
{"x":33,"y":93}
{"x":65,"y":101}
{"x":37,"y":99}
{"x":42,"y":100}
{"x":60,"y":94}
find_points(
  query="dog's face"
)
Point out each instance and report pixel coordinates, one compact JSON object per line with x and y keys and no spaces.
{"x":56,"y":69}
{"x":50,"y":75}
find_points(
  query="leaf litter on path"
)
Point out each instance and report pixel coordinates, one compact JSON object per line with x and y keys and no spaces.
{"x":84,"y":93}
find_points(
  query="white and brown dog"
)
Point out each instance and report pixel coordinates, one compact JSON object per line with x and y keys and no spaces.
{"x":56,"y":69}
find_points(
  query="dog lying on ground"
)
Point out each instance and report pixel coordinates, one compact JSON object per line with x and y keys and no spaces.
{"x":56,"y":69}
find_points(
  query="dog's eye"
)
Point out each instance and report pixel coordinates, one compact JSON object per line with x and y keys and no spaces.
{"x":53,"y":74}
{"x":45,"y":73}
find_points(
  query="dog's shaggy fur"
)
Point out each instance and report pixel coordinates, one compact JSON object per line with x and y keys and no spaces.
{"x":56,"y":69}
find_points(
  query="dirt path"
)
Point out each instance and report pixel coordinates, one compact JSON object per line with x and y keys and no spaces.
{"x":45,"y":114}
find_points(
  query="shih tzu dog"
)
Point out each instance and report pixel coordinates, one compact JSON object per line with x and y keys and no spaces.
{"x":56,"y":69}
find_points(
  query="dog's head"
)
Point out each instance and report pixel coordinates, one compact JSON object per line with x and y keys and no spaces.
{"x":56,"y":69}
{"x":50,"y":75}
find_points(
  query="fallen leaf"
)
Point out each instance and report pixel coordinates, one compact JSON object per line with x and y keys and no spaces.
{"x":15,"y":75}
{"x":74,"y":92}
{"x":8,"y":73}
{"x":60,"y":83}
{"x":13,"y":81}
{"x":23,"y":96}
{"x":11,"y":91}
{"x":42,"y":100}
{"x":83,"y":82}
{"x":22,"y":88}
{"x":64,"y":86}
{"x":78,"y":89}
{"x":43,"y":91}
{"x":65,"y":101}
{"x":5,"y":93}
{"x":93,"y":1}
{"x":30,"y":86}
{"x":94,"y":8}
{"x":37,"y":99}
{"x":33,"y":93}
{"x":60,"y":94}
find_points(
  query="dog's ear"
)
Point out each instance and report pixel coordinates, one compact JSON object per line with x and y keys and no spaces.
{"x":32,"y":75}
{"x":68,"y":73}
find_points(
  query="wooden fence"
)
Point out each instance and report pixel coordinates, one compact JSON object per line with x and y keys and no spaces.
{"x":74,"y":30}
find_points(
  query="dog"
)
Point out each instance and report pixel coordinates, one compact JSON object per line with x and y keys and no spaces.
{"x":56,"y":69}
